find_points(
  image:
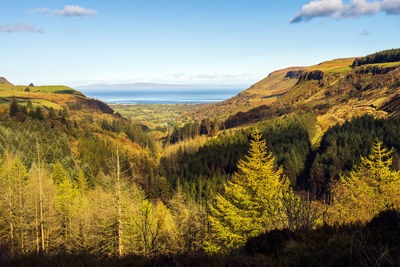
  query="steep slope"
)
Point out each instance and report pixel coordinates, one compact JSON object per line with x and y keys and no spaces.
{"x":335,"y":92}
{"x":264,"y":92}
{"x":4,"y":81}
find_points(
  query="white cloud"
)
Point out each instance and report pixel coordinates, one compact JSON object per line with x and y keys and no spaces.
{"x":19,"y":27}
{"x":338,"y":9}
{"x":391,"y":7}
{"x":75,"y":11}
{"x":210,"y":77}
{"x":318,"y":8}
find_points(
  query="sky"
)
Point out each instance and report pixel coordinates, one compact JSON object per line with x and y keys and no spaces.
{"x":234,"y":42}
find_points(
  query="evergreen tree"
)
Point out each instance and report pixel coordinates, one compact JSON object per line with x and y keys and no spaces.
{"x":189,"y":224}
{"x":66,"y":202}
{"x":38,"y":113}
{"x":14,"y":108}
{"x":13,"y":208}
{"x":82,"y":182}
{"x":29,"y":105}
{"x":370,"y":188}
{"x":252,"y":203}
{"x":58,"y":175}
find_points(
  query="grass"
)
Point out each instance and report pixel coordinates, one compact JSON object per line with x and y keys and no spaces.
{"x":164,"y":114}
{"x":50,"y":96}
{"x":331,"y":65}
{"x":384,"y":65}
{"x":35,"y":103}
{"x":52,"y":89}
{"x":345,"y":69}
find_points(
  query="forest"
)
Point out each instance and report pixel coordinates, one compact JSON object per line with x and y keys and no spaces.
{"x":99,"y":190}
{"x":390,"y":55}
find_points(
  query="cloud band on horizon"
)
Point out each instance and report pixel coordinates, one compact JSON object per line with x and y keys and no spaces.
{"x":338,"y":9}
{"x":19,"y":27}
{"x":67,"y":11}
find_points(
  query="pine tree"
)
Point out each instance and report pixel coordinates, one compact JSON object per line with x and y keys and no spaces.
{"x":252,"y":202}
{"x":13,"y":191}
{"x":66,"y":202}
{"x":58,"y":175}
{"x":370,"y":188}
{"x":14,"y":107}
{"x":38,"y":113}
{"x":181,"y":216}
{"x":82,"y":182}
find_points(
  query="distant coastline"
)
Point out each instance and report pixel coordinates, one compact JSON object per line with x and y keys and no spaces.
{"x":162,"y":96}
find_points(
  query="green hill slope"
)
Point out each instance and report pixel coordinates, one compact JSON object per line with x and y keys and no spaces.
{"x":333,"y":90}
{"x":49,"y":96}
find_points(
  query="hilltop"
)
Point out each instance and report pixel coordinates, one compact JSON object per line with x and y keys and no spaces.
{"x":50,"y":96}
{"x":267,"y":91}
{"x":4,"y":81}
{"x":335,"y":91}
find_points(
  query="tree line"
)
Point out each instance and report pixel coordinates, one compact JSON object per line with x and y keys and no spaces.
{"x":390,"y":55}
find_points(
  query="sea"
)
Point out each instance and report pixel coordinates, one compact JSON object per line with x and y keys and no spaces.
{"x":152,"y":96}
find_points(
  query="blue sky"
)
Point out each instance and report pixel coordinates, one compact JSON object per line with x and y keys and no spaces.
{"x":184,"y":41}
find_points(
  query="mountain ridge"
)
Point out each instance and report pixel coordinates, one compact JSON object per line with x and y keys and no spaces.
{"x":333,"y":90}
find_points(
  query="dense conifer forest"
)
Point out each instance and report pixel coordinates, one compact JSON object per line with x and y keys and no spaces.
{"x":103,"y":190}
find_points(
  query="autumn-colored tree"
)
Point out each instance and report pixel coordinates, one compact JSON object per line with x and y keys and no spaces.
{"x":368,"y":189}
{"x":13,"y":191}
{"x":44,"y":218}
{"x":66,"y":204}
{"x":252,"y":203}
{"x":58,"y":175}
{"x":189,"y":224}
{"x":152,"y":224}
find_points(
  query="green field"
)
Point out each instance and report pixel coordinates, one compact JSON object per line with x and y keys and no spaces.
{"x":345,"y":69}
{"x":53,"y":89}
{"x":171,"y":114}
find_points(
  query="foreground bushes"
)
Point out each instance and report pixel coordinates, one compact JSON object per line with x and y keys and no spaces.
{"x":373,"y":244}
{"x":376,"y":243}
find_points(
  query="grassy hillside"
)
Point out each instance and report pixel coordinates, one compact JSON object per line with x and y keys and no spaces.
{"x":264,"y":92}
{"x":4,"y":81}
{"x":334,"y":90}
{"x":50,"y":96}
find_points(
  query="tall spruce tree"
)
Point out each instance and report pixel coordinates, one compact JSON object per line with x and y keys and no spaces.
{"x":370,"y":188}
{"x":252,"y":203}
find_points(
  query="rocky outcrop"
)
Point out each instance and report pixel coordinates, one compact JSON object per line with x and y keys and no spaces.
{"x":311,"y":75}
{"x":294,"y":74}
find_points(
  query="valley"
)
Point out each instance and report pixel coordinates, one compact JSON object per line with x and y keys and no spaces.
{"x":308,"y":153}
